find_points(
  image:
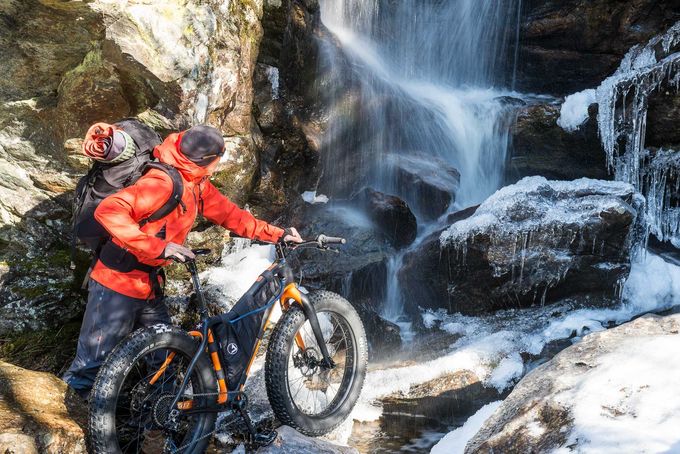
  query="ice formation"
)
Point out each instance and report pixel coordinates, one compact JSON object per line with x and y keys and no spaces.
{"x":537,"y":230}
{"x":622,"y":119}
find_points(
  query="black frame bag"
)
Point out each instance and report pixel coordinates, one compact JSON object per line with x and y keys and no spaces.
{"x":239,"y":330}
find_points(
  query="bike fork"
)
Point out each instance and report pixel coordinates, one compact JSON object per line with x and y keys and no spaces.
{"x":310,"y":313}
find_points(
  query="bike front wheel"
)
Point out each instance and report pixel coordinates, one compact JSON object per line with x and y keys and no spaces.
{"x":302,"y":392}
{"x":135,"y":387}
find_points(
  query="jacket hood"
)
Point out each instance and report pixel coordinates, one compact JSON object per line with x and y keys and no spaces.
{"x":169,"y":153}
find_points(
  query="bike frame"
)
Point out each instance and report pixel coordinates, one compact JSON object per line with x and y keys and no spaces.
{"x":209,"y":340}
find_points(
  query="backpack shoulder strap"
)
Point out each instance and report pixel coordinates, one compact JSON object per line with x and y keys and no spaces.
{"x":176,"y":196}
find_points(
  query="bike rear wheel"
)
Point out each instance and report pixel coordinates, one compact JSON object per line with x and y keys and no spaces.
{"x":131,"y":398}
{"x":303,"y":394}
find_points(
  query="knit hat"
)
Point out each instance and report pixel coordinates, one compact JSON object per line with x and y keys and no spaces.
{"x":202,"y":145}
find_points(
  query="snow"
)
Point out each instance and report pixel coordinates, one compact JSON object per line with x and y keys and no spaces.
{"x":311,"y":197}
{"x":273,"y":77}
{"x":454,"y":442}
{"x":628,"y":403}
{"x":242,"y":262}
{"x":574,"y":110}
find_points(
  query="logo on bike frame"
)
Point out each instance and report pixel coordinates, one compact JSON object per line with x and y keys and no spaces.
{"x":232,"y":348}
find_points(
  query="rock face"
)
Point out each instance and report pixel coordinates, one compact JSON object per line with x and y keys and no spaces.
{"x":567,"y":46}
{"x":538,"y":415}
{"x":287,"y":111}
{"x":530,"y":243}
{"x":174,"y":64}
{"x":37,"y":414}
{"x":541,"y":147}
{"x":391,"y":214}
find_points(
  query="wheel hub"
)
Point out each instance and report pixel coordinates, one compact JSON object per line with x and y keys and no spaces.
{"x":307,"y":362}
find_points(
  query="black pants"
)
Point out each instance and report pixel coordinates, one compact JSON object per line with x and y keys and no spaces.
{"x":109,"y":317}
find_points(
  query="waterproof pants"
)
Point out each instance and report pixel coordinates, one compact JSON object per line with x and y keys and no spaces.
{"x":109,"y":317}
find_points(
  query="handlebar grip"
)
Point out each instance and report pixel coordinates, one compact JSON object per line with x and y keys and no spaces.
{"x":331,"y":240}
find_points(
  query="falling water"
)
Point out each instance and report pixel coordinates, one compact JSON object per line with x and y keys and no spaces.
{"x":417,"y":89}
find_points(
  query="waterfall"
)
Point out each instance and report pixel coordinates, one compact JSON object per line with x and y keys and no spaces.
{"x":418,"y":79}
{"x":417,"y":87}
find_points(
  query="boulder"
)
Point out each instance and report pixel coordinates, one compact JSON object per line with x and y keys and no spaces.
{"x":38,"y":414}
{"x":384,"y":337}
{"x":551,"y":406}
{"x":530,"y":243}
{"x":567,"y":46}
{"x":541,"y":147}
{"x":426,"y":183}
{"x":391,"y":214}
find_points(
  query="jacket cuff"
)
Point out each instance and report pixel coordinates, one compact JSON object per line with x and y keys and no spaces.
{"x":156,"y":247}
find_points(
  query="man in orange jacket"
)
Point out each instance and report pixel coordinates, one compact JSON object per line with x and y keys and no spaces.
{"x":124,"y":298}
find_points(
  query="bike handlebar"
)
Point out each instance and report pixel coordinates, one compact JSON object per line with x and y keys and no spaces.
{"x":323,"y":239}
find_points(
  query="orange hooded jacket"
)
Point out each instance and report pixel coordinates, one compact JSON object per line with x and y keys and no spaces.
{"x":121,"y":212}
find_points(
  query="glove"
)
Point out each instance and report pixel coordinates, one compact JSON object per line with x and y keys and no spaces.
{"x":178,"y":252}
{"x":291,"y":235}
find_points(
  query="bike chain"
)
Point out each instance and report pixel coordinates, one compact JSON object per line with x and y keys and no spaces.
{"x":181,"y":448}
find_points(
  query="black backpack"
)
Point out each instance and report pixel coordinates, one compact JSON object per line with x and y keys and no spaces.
{"x":104,"y":179}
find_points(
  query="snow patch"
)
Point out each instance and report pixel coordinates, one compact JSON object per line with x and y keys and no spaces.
{"x":574,"y":110}
{"x":311,"y":197}
{"x":242,"y":263}
{"x":454,"y":442}
{"x":628,"y":403}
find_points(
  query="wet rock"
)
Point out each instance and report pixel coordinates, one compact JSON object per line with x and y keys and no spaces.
{"x":290,"y":441}
{"x":425,"y":182}
{"x":359,"y":269}
{"x":530,"y":243}
{"x":383,"y":336}
{"x":663,"y":115}
{"x":38,"y":413}
{"x":534,"y":417}
{"x":567,"y":46}
{"x":391,"y":214}
{"x":541,"y":147}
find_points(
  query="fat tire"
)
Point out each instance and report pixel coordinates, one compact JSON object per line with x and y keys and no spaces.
{"x":101,"y":433}
{"x":276,"y":366}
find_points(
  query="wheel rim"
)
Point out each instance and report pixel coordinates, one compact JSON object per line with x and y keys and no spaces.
{"x":315,"y":390}
{"x":142,"y":409}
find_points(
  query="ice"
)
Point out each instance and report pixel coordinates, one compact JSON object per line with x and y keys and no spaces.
{"x":622,"y":120}
{"x":574,"y":110}
{"x":628,"y":403}
{"x":490,"y":346}
{"x":454,"y":442}
{"x":311,"y":197}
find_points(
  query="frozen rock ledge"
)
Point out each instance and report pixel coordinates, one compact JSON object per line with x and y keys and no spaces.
{"x":533,"y":242}
{"x":612,"y":392}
